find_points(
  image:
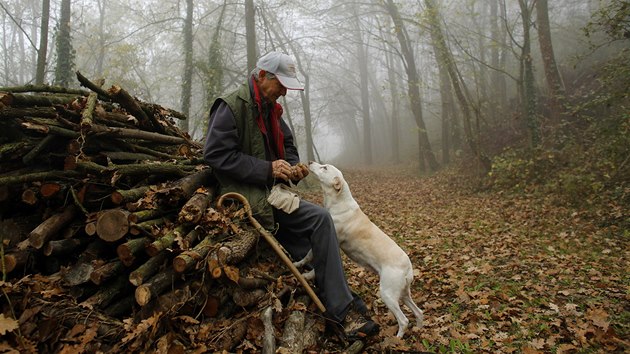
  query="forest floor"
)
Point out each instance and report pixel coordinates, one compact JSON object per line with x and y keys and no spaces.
{"x":494,"y":272}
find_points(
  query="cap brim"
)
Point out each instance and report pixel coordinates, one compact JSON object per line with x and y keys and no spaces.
{"x":290,"y":83}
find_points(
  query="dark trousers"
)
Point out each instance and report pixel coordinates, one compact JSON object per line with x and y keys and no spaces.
{"x":311,"y":227}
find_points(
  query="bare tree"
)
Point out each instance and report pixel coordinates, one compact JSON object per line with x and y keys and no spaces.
{"x":250,"y":34}
{"x":552,"y":75}
{"x":64,"y":73}
{"x":290,"y":46}
{"x":43,"y":43}
{"x":413,"y":84}
{"x":528,"y":90}
{"x":362,"y":59}
{"x":100,"y":59}
{"x":393,"y":87}
{"x":446,"y":59}
{"x":188,"y":64}
{"x":498,"y":98}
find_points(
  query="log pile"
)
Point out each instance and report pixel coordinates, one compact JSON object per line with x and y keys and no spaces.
{"x":111,"y":239}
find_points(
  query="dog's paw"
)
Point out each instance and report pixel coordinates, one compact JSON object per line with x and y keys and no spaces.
{"x":310,"y":275}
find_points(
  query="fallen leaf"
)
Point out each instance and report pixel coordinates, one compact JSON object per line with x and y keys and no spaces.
{"x":7,"y":324}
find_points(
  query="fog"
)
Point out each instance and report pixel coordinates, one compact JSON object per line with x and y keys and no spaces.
{"x":350,"y":56}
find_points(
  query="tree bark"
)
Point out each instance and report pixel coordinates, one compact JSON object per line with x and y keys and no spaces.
{"x":127,"y":251}
{"x":80,"y":271}
{"x":51,"y":226}
{"x":65,"y":52}
{"x":87,"y":116}
{"x":155,"y":286}
{"x":17,"y":259}
{"x":552,"y":74}
{"x":188,"y":64}
{"x":42,"y":51}
{"x":106,"y":271}
{"x":122,"y":97}
{"x":17,"y":100}
{"x":250,"y":34}
{"x":187,"y":259}
{"x":269,"y":338}
{"x":121,"y":196}
{"x":196,"y":206}
{"x":148,"y":269}
{"x":167,"y":240}
{"x":63,"y":247}
{"x":136,"y":134}
{"x":362,"y":59}
{"x":528,"y":90}
{"x":108,"y":292}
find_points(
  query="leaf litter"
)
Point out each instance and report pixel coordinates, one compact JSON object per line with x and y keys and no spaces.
{"x":495,"y":273}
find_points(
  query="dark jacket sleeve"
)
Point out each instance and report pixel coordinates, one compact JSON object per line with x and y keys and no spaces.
{"x":222,"y":151}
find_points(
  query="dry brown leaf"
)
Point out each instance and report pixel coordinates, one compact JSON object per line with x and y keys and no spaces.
{"x":7,"y":324}
{"x":232,"y":273}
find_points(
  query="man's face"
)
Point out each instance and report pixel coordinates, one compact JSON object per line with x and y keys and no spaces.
{"x":271,"y":89}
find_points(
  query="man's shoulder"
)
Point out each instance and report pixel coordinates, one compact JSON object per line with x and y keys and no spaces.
{"x":231,"y":99}
{"x":242,"y":92}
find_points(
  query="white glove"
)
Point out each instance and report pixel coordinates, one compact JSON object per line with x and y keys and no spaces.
{"x":283,"y":198}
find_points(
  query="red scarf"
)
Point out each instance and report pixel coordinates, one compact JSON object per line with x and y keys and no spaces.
{"x":275,"y":114}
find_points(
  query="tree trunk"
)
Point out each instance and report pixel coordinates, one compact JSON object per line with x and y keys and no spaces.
{"x":250,"y":34}
{"x":393,"y":87}
{"x":528,"y":90}
{"x":43,"y":44}
{"x":65,"y":53}
{"x":362,"y":59}
{"x":188,"y":64}
{"x":552,"y":75}
{"x":446,"y":97}
{"x":446,"y":58}
{"x":413,"y":83}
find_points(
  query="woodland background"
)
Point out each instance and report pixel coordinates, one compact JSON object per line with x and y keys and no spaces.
{"x":526,"y":98}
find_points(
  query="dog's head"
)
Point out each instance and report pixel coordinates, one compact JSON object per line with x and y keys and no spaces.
{"x":329,"y":177}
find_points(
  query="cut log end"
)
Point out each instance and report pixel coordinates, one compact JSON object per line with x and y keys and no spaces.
{"x":179,"y":264}
{"x":143,"y":295}
{"x":112,"y":225}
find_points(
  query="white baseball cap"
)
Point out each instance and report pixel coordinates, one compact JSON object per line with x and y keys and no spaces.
{"x":283,"y":67}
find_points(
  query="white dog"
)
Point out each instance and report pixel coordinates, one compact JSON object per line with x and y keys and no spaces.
{"x":367,"y":245}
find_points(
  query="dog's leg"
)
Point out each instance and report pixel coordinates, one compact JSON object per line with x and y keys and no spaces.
{"x":413,"y":307}
{"x":309,"y":257}
{"x":303,"y":261}
{"x":392,"y":286}
{"x":310,"y":275}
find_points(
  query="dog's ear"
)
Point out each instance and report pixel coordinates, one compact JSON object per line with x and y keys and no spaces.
{"x":337,"y":184}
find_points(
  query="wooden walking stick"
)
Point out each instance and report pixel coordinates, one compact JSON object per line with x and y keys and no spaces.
{"x":273,"y":243}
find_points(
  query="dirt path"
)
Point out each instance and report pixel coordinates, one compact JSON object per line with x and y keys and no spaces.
{"x":496,"y":273}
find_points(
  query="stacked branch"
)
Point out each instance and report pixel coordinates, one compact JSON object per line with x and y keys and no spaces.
{"x":108,"y":203}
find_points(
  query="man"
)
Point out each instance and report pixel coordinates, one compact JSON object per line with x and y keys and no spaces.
{"x":250,"y":148}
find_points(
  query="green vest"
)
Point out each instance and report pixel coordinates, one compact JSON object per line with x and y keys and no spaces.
{"x":251,"y":143}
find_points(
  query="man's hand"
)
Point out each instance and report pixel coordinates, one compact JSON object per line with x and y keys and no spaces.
{"x":299,"y":171}
{"x":280,"y":169}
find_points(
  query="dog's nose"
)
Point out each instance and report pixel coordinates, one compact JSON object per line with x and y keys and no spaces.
{"x":310,"y":162}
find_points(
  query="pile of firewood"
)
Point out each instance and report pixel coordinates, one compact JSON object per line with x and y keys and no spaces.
{"x":111,"y":239}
